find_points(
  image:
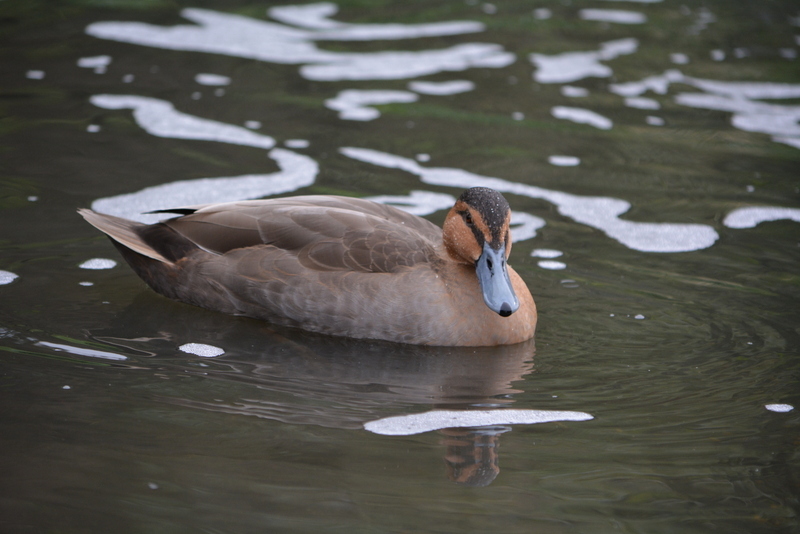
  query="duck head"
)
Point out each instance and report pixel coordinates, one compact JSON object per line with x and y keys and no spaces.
{"x":476,"y":232}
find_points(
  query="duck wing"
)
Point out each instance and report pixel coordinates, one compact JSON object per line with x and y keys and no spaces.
{"x":323,"y":233}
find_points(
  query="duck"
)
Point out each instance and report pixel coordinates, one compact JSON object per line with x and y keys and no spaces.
{"x":341,"y":266}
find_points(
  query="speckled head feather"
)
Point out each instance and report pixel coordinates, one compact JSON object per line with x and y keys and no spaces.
{"x":494,"y":213}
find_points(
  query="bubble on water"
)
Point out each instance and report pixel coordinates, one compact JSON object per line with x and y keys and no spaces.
{"x":202,"y":350}
{"x":98,"y":263}
{"x":564,"y":161}
{"x":406,"y":425}
{"x":572,"y":66}
{"x":582,"y":116}
{"x":35,"y":74}
{"x":552,"y":265}
{"x":354,"y":104}
{"x":212,"y":79}
{"x":546,"y":253}
{"x":780,"y":408}
{"x":451,"y":87}
{"x":618,"y":16}
{"x":6,"y":277}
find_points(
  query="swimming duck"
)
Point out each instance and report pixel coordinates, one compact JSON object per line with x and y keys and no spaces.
{"x":340,"y":266}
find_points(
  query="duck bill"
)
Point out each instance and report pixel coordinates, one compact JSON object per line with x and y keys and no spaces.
{"x":498,"y":293}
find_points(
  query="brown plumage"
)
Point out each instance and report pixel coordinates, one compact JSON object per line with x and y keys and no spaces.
{"x":340,"y":266}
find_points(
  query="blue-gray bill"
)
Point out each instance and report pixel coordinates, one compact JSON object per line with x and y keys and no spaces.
{"x":498,"y":293}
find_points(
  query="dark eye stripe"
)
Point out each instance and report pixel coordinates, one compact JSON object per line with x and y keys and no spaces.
{"x":470,"y":224}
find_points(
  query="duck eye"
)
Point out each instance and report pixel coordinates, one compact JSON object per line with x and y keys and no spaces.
{"x":468,"y":219}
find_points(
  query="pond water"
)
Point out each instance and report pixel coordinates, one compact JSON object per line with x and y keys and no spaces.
{"x":650,"y":151}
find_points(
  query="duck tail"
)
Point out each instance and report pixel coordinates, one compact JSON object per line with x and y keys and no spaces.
{"x":123,"y":232}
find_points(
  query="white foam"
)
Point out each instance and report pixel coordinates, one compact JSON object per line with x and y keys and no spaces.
{"x":313,"y":16}
{"x":160,"y":118}
{"x":640,"y":102}
{"x":658,"y":84}
{"x":546,"y":253}
{"x":752,"y":216}
{"x":205,"y":78}
{"x":406,"y":425}
{"x":98,"y":264}
{"x":718,"y":55}
{"x":354,"y":104}
{"x":780,"y":408}
{"x":652,"y":120}
{"x":297,"y":143}
{"x":81,"y":351}
{"x":618,"y":16}
{"x":98,"y":63}
{"x":574,"y":92}
{"x":452,"y":87}
{"x":35,"y":74}
{"x":202,"y":350}
{"x":524,"y":225}
{"x":582,"y":116}
{"x":552,"y":265}
{"x":602,"y":213}
{"x":573,"y":66}
{"x":6,"y":277}
{"x":400,"y":65}
{"x":296,"y":171}
{"x":564,"y":161}
{"x":679,"y":58}
{"x":240,"y":36}
{"x":743,"y":99}
{"x":252,"y":125}
{"x":417,"y":202}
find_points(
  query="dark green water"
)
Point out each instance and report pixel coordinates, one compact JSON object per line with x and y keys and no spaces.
{"x":673,"y":319}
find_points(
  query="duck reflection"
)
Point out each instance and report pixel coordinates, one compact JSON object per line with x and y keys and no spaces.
{"x":471,"y":454}
{"x":300,"y":378}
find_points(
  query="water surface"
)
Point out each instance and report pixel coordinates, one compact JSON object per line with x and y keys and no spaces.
{"x":650,"y":151}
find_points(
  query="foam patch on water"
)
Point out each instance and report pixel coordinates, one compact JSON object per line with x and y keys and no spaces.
{"x":205,"y":78}
{"x":582,"y":116}
{"x":353,"y":104}
{"x":160,"y":118}
{"x":82,"y":351}
{"x":640,"y":102}
{"x":419,"y":203}
{"x":452,"y":87}
{"x":400,"y":65}
{"x":602,"y":213}
{"x":574,"y":92}
{"x":552,"y":265}
{"x":239,"y":36}
{"x":546,"y":253}
{"x":202,"y":350}
{"x":98,"y":263}
{"x":98,"y":63}
{"x":524,"y":225}
{"x":618,"y":16}
{"x":564,"y":161}
{"x":573,"y":66}
{"x":780,"y":408}
{"x":743,"y":99}
{"x":296,"y":171}
{"x":406,"y":425}
{"x":752,"y":216}
{"x":6,"y":277}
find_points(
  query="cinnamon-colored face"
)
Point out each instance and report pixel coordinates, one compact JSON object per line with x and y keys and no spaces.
{"x":466,"y":230}
{"x":476,"y":232}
